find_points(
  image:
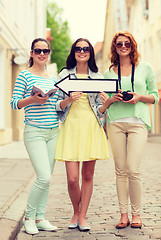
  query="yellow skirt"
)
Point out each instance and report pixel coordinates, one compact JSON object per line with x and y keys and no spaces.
{"x":81,"y":138}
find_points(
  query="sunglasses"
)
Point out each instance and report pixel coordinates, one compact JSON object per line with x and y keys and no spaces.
{"x":38,"y":51}
{"x":79,"y":49}
{"x":126,"y":44}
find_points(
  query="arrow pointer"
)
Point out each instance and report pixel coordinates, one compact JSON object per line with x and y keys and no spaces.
{"x":68,"y":85}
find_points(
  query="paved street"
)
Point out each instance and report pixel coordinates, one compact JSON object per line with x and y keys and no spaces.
{"x":103,"y":212}
{"x":16,"y":176}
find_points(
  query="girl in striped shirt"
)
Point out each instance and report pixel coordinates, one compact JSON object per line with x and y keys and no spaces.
{"x":40,"y":133}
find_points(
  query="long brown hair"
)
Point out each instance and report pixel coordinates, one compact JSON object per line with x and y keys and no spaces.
{"x":71,"y":61}
{"x":134,"y":54}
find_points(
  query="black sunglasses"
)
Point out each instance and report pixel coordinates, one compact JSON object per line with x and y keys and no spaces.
{"x":79,"y":49}
{"x":126,"y":44}
{"x":38,"y":51}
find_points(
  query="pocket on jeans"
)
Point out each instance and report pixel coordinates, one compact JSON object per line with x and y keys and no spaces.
{"x":30,"y":132}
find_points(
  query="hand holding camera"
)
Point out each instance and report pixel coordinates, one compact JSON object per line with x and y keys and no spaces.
{"x":126,"y":95}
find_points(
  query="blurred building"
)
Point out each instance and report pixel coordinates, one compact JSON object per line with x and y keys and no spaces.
{"x":98,"y":55}
{"x":145,"y":24}
{"x":115,"y":20}
{"x":20,"y":22}
{"x":143,"y":19}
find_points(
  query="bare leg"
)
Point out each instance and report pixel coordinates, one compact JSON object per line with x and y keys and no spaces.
{"x":124,"y":218}
{"x":136,"y":219}
{"x":86,"y":190}
{"x":72,"y":169}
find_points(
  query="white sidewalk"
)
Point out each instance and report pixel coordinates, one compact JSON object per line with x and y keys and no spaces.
{"x":16,"y":176}
{"x":14,"y":150}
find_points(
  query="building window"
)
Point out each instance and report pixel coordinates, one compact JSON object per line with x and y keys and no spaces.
{"x":145,"y":5}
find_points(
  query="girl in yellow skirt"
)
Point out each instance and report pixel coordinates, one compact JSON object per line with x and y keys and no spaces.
{"x":82,"y":137}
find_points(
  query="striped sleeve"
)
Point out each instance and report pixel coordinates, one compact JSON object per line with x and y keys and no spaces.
{"x":19,"y":90}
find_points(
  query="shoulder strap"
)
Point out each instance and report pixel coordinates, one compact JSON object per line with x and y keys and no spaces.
{"x":119,"y":75}
{"x":132,"y":76}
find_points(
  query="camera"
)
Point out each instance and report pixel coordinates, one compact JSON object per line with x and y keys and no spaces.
{"x":126,"y":96}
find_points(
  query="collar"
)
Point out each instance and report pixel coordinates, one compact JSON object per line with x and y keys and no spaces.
{"x":73,"y":72}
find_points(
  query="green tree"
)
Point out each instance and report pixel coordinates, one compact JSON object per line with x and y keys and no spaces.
{"x":61,"y":44}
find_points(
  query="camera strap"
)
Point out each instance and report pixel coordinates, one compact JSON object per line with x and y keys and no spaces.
{"x":132,"y":75}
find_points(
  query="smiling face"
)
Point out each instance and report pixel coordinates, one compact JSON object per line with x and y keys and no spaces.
{"x":82,"y":56}
{"x":39,"y":58}
{"x":124,"y":46}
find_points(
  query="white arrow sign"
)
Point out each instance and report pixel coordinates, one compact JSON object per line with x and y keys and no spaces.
{"x":68,"y":85}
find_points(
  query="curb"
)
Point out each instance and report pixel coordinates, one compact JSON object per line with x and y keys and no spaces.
{"x":12,"y":213}
{"x":12,"y":229}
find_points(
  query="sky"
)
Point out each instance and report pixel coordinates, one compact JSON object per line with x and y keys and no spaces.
{"x":86,"y":18}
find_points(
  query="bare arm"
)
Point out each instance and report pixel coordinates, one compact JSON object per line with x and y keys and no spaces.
{"x":73,"y":97}
{"x":142,"y":98}
{"x":106,"y":101}
{"x":147,"y":98}
{"x":32,"y":99}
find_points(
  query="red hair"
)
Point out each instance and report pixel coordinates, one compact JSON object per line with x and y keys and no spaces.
{"x":134,"y":54}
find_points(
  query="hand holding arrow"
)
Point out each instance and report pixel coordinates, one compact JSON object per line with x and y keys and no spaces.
{"x":75,"y":96}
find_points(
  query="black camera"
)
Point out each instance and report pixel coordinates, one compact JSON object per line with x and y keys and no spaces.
{"x":126,"y":96}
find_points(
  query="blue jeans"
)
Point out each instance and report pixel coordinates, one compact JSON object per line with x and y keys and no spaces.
{"x":40,"y":144}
